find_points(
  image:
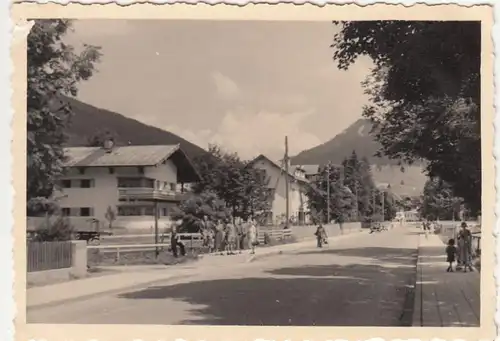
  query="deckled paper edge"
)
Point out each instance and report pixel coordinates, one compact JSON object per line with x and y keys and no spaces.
{"x":21,"y":29}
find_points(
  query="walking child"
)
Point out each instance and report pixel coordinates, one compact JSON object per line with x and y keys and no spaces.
{"x":451,"y":252}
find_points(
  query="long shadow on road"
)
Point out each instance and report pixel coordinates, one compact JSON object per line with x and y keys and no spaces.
{"x":327,"y":295}
{"x":382,"y":254}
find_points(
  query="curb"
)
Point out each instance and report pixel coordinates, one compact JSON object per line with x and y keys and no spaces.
{"x":280,"y":252}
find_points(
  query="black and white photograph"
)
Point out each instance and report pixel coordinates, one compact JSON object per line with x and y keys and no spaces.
{"x":224,"y":172}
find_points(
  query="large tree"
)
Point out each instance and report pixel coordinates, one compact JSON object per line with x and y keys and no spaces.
{"x":438,"y":201}
{"x":341,"y":197}
{"x":359,"y":179}
{"x":192,"y":210}
{"x":424,"y":94}
{"x":54,"y":69}
{"x":243,"y":188}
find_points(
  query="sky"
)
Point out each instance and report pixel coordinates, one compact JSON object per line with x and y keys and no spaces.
{"x":242,"y":84}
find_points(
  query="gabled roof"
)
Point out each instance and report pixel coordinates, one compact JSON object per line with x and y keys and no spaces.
{"x":307,"y":169}
{"x":132,"y":156}
{"x":118,"y":156}
{"x":275,"y":164}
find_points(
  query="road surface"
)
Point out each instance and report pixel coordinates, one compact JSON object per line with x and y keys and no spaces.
{"x":361,"y":280}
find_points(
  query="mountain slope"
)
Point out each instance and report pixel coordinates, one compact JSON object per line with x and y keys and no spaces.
{"x":89,"y":120}
{"x":355,"y":137}
{"x":406,"y":181}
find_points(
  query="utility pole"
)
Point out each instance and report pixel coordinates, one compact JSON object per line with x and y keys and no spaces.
{"x":328,"y":192}
{"x":374,"y":198}
{"x":287,"y":197}
{"x":356,"y":203}
{"x":157,"y":250}
{"x":383,"y":206}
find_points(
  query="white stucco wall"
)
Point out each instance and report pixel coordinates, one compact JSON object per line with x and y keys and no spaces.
{"x":164,"y":172}
{"x":277,"y":180}
{"x":104,"y":193}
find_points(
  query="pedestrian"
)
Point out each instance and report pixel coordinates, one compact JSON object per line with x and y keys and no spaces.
{"x":320,"y":235}
{"x":451,"y":252}
{"x":211,"y":240}
{"x":230,"y":237}
{"x":219,"y":236}
{"x":176,"y":243}
{"x":426,"y":227}
{"x":465,"y":247}
{"x":207,"y":232}
{"x":241,"y":234}
{"x":252,"y":235}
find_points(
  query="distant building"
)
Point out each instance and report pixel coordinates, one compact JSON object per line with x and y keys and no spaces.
{"x":311,"y":172}
{"x":298,"y":184}
{"x":132,"y":180}
{"x":408,"y":216}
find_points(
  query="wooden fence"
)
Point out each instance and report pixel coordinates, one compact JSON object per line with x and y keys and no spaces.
{"x":190,"y":240}
{"x":274,"y":234}
{"x":48,"y":255}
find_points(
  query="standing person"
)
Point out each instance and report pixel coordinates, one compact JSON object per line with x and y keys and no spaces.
{"x":465,"y":247}
{"x":425,"y":226}
{"x":206,"y":229}
{"x":451,"y":252}
{"x":241,"y":233}
{"x":211,"y":240}
{"x":252,"y":235}
{"x":219,"y":236}
{"x":230,"y":237}
{"x":320,"y":235}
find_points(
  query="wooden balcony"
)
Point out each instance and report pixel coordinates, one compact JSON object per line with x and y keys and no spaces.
{"x":145,"y":193}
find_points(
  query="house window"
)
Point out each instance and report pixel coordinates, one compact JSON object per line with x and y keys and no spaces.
{"x":66,"y":183}
{"x":149,"y":183}
{"x":85,"y":211}
{"x":66,"y":211}
{"x":164,"y":211}
{"x":86,"y":183}
{"x":148,"y":210}
{"x":129,"y":182}
{"x":129,"y":211}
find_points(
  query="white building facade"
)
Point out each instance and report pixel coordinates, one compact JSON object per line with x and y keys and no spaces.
{"x":277,"y":182}
{"x":132,"y":181}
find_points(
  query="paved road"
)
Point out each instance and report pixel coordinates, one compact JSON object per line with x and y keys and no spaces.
{"x":360,"y":281}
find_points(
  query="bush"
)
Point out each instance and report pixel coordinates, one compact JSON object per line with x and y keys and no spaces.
{"x":192,"y":211}
{"x":59,"y":229}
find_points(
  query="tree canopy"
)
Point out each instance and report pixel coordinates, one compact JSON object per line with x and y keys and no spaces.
{"x":353,"y":194}
{"x":424,"y":94}
{"x":54,"y":69}
{"x":438,"y":201}
{"x":243,"y":188}
{"x":192,"y":210}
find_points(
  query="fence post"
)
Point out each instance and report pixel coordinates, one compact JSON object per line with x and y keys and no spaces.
{"x":117,"y":258}
{"x":78,"y":258}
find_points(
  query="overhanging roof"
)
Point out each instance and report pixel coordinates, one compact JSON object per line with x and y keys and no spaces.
{"x":132,"y":156}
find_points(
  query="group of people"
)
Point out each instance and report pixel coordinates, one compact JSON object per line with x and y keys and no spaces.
{"x":225,"y":236}
{"x":462,"y":252}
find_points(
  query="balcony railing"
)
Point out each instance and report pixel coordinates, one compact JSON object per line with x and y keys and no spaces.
{"x":145,"y":193}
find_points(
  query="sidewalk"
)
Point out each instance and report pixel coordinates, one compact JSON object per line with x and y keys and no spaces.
{"x":128,"y":277}
{"x":443,"y":299}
